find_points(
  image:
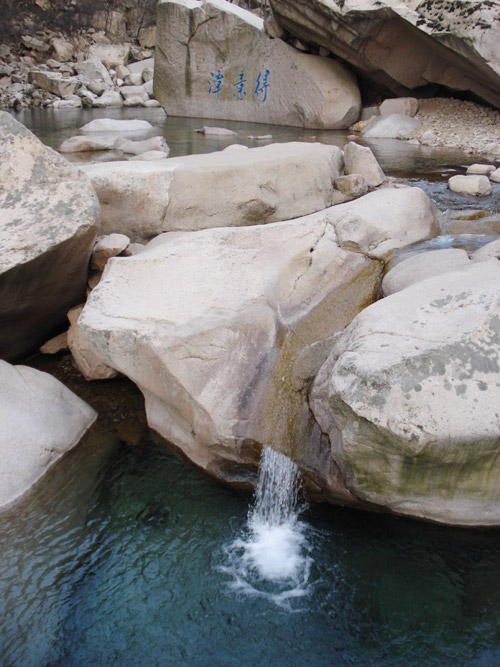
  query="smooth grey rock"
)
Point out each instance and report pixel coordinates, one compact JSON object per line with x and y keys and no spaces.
{"x":223,"y":355}
{"x":360,"y":160}
{"x":113,"y":125}
{"x":137,"y":147}
{"x":480,"y":169}
{"x":407,"y":106}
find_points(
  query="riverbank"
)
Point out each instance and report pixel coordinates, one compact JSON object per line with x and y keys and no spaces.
{"x":459,"y":124}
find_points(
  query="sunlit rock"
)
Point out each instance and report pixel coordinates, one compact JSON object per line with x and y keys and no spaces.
{"x":423,"y":265}
{"x":233,"y":188}
{"x":409,"y":397}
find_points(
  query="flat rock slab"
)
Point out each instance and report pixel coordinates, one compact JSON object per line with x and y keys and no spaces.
{"x":226,"y":188}
{"x":214,"y":60}
{"x":410,"y":396}
{"x":48,"y":223}
{"x":41,"y":420}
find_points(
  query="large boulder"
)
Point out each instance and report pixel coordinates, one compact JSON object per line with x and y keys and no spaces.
{"x":48,"y":216}
{"x":405,"y":45}
{"x":41,"y":420}
{"x":223,"y":329}
{"x":409,"y":397}
{"x":214,"y":60}
{"x":226,"y":188}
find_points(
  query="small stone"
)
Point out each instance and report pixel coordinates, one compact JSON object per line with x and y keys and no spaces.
{"x":352,"y":185}
{"x":360,"y":160}
{"x":400,"y":105}
{"x":215,"y":131}
{"x":56,"y":344}
{"x":480,"y":169}
{"x":476,"y":186}
{"x":106,"y":247}
{"x":495,"y":176}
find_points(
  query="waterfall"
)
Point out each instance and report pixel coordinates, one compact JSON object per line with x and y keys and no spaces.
{"x":277,"y":488}
{"x":271,"y":558}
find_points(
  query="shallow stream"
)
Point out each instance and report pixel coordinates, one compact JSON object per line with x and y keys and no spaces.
{"x":128,"y":555}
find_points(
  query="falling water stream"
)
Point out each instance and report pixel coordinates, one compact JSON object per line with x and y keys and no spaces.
{"x":271,"y":557}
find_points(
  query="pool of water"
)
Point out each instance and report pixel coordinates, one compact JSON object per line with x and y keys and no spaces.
{"x":128,"y":555}
{"x":121,"y":558}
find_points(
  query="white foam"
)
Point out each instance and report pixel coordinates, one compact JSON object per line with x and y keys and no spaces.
{"x":271,"y":558}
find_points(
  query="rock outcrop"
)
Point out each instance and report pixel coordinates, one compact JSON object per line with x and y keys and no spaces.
{"x":405,"y":45}
{"x":226,"y":188}
{"x":48,"y":216}
{"x":409,"y":397}
{"x":41,"y":420}
{"x":223,"y":329}
{"x":214,"y":60}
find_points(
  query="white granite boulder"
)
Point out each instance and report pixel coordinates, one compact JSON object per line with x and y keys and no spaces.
{"x":85,"y":143}
{"x":409,"y":397}
{"x":243,"y":187}
{"x":137,"y":147}
{"x":41,"y":420}
{"x":48,"y":216}
{"x":407,"y":106}
{"x":214,"y":60}
{"x":474,"y":186}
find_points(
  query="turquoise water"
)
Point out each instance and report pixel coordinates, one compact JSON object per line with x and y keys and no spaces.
{"x":120,"y":559}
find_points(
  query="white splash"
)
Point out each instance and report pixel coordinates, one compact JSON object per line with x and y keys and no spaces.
{"x":271,"y":559}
